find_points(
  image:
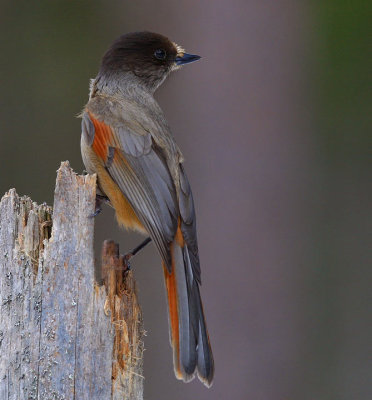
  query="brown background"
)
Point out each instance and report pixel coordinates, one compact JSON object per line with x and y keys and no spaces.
{"x":273,"y":124}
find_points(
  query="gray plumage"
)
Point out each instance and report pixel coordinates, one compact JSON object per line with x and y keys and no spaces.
{"x":145,"y":163}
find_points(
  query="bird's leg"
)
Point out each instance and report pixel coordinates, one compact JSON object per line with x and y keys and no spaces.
{"x":99,"y":200}
{"x":137,"y":249}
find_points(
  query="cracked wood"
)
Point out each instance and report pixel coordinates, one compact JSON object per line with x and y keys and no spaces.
{"x":61,"y":335}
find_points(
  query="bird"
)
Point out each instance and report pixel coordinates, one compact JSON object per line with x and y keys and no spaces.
{"x":127,"y":142}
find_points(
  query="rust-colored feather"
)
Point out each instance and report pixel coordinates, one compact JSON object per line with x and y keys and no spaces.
{"x":179,"y":236}
{"x":171,"y":286}
{"x":102,"y":138}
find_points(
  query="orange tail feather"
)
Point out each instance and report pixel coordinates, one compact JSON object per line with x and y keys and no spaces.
{"x":171,"y":286}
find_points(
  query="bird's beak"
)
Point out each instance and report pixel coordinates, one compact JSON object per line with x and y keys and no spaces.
{"x":187,"y":58}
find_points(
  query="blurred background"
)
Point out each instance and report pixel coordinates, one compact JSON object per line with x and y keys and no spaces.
{"x":275,"y":126}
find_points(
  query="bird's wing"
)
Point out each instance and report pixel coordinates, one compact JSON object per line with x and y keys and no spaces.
{"x":138,"y":167}
{"x":188,"y":222}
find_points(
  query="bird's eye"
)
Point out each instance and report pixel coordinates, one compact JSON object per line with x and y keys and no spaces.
{"x":160,"y":54}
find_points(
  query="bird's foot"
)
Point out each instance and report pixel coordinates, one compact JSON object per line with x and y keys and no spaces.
{"x":128,"y":256}
{"x":126,"y":261}
{"x":99,"y":201}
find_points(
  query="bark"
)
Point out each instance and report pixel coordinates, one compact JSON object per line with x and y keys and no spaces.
{"x":62,"y":336}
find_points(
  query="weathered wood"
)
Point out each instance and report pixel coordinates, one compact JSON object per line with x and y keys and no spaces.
{"x":61,"y":335}
{"x":123,"y":306}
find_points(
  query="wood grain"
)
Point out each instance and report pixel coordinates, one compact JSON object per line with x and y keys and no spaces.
{"x":61,"y":335}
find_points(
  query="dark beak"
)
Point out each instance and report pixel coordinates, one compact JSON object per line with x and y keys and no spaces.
{"x":187,"y":58}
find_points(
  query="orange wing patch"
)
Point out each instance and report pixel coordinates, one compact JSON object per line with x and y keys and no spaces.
{"x":102,"y":138}
{"x":171,"y":286}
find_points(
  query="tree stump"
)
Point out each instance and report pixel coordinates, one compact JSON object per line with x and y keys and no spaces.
{"x":62,"y":336}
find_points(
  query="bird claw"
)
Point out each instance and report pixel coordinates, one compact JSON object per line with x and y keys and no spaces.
{"x":98,"y":208}
{"x":126,"y":258}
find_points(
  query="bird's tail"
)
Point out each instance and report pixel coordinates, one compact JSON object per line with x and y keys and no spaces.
{"x":188,"y":331}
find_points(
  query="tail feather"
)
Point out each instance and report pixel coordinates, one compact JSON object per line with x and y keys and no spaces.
{"x":205,"y":356}
{"x":188,"y":332}
{"x":171,"y":287}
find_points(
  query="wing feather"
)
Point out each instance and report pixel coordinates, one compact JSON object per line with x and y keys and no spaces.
{"x":188,"y":222}
{"x":142,"y":198}
{"x":138,"y":168}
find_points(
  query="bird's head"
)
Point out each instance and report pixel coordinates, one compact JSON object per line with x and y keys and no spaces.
{"x":146,"y":57}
